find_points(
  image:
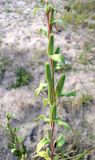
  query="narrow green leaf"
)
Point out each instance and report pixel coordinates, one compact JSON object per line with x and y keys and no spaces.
{"x":60,"y":85}
{"x":57,"y":51}
{"x":51,"y":45}
{"x":48,"y":73}
{"x":69,"y":94}
{"x":41,"y":87}
{"x":49,"y":93}
{"x":58,"y":58}
{"x":51,"y":16}
{"x":60,"y":141}
{"x":53,"y":112}
{"x":42,"y":143}
{"x":60,"y":122}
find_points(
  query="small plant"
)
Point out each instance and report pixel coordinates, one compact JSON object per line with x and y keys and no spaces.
{"x":23,"y":77}
{"x":15,"y":145}
{"x":83,"y":57}
{"x":3,"y":64}
{"x":84,"y":100}
{"x":47,"y":147}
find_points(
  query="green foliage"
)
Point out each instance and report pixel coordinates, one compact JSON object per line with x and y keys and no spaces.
{"x":15,"y":145}
{"x":55,"y":90}
{"x":23,"y":77}
{"x":42,"y":143}
{"x":91,"y":26}
{"x":77,"y":12}
{"x":60,"y":141}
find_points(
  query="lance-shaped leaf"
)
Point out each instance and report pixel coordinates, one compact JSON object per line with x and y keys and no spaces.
{"x":51,"y":15}
{"x":41,"y":87}
{"x":53,"y":112}
{"x":60,"y":85}
{"x":42,"y":143}
{"x":60,"y":141}
{"x":51,"y":45}
{"x":57,"y":51}
{"x":44,"y":155}
{"x":69,"y":94}
{"x":48,"y":73}
{"x":58,"y":58}
{"x":60,"y":122}
{"x":49,"y":93}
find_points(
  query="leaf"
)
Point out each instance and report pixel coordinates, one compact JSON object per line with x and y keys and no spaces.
{"x":57,"y":51}
{"x":42,"y":117}
{"x":41,"y":87}
{"x":53,"y":112}
{"x":56,"y":158}
{"x":44,"y":155}
{"x":60,"y":141}
{"x":51,"y":45}
{"x":36,"y":9}
{"x":51,"y":19}
{"x":58,"y":58}
{"x":42,"y":143}
{"x":45,"y":102}
{"x":43,"y":31}
{"x":69,"y":94}
{"x":58,"y":21}
{"x":16,"y":152}
{"x":48,"y":73}
{"x":60,"y":122}
{"x":60,"y":85}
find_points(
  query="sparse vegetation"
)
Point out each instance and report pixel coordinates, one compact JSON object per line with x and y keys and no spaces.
{"x":78,"y":12}
{"x":83,"y":100}
{"x":23,"y":78}
{"x":15,"y":145}
{"x":83,"y":57}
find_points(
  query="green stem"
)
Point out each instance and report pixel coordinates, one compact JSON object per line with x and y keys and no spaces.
{"x":53,"y":99}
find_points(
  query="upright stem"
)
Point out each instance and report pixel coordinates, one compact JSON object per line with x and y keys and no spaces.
{"x":53,"y":90}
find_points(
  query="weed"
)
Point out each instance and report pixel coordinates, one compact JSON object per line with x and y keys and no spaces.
{"x":15,"y":145}
{"x":83,"y":58}
{"x":83,"y":100}
{"x":78,"y":12}
{"x":23,"y":78}
{"x":47,"y":147}
{"x":91,"y":26}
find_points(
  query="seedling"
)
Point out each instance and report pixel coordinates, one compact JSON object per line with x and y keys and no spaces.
{"x":46,"y":148}
{"x":23,"y":77}
{"x":15,"y":145}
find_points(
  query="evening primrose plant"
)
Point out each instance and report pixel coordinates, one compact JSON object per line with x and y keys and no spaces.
{"x":47,"y":147}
